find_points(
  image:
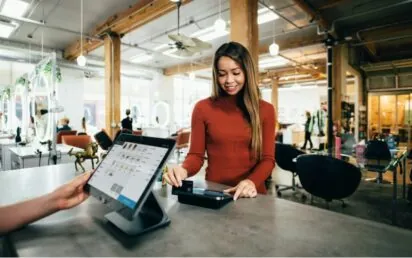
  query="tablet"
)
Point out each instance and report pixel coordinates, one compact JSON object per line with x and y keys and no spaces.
{"x":124,"y":179}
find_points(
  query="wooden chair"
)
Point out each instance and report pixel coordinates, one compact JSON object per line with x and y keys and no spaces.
{"x":79,"y":141}
{"x":182,"y":142}
{"x":61,"y":133}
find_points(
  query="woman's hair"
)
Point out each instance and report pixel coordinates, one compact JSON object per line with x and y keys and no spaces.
{"x":248,"y":98}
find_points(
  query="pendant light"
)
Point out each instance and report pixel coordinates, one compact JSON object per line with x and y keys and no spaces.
{"x":220,"y":24}
{"x":81,"y":60}
{"x":274,"y":48}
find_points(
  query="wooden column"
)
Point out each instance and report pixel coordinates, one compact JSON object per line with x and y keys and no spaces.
{"x":244,"y":27}
{"x":339,"y":81}
{"x":112,"y":83}
{"x":275,"y":86}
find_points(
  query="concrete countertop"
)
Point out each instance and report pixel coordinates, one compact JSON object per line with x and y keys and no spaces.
{"x":264,"y":226}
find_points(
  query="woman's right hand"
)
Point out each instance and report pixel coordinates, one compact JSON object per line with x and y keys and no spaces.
{"x":175,"y":175}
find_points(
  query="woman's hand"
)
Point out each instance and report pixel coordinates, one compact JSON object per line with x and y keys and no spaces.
{"x":72,"y":193}
{"x":175,"y":175}
{"x":245,"y":189}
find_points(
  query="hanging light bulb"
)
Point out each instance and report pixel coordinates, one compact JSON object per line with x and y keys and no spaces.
{"x":81,"y":60}
{"x":220,"y":25}
{"x":274,"y":49}
{"x":192,"y":76}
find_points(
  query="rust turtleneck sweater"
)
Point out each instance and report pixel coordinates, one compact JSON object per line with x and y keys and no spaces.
{"x":219,"y":128}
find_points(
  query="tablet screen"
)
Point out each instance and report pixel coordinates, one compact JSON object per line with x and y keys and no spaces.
{"x":127,"y":170}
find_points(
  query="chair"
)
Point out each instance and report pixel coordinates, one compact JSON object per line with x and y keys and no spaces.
{"x":284,"y":156}
{"x":103,"y":139}
{"x":137,"y":132}
{"x":61,"y":133}
{"x":182,"y":141}
{"x":378,"y":156}
{"x":79,"y":141}
{"x":327,"y":177}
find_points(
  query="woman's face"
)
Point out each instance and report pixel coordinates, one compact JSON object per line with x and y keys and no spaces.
{"x":230,"y":75}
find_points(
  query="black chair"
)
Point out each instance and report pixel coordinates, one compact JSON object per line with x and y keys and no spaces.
{"x":327,"y":177}
{"x":284,"y":156}
{"x":378,"y":156}
{"x":103,"y":139}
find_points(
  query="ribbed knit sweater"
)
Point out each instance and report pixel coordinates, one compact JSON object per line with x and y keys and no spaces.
{"x":220,"y":129}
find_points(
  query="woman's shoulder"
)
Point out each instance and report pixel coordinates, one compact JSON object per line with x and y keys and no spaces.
{"x":265,"y":105}
{"x":206,"y":102}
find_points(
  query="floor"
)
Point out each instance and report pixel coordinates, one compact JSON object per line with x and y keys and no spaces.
{"x":370,"y":201}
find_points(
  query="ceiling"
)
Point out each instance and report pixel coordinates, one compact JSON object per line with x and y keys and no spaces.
{"x":360,"y":23}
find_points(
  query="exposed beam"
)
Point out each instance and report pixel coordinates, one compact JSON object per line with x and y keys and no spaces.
{"x":315,"y":15}
{"x":143,"y":12}
{"x":332,"y":3}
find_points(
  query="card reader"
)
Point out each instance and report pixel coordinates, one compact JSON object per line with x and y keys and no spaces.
{"x":202,"y":197}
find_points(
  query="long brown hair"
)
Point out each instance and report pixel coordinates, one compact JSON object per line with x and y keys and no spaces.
{"x":248,"y":98}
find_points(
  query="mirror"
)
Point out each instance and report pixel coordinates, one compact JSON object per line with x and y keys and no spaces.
{"x":5,"y":121}
{"x":136,"y":116}
{"x":161,"y":114}
{"x":19,"y":111}
{"x":40,"y":105}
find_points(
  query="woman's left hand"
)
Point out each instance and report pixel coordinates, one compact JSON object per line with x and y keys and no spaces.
{"x":245,"y":189}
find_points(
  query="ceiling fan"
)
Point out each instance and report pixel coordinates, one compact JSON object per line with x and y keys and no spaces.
{"x":186,"y":46}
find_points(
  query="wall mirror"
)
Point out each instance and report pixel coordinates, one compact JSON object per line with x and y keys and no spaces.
{"x":40,"y":104}
{"x":161,"y":114}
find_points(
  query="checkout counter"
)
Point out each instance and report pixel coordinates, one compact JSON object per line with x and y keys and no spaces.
{"x":263,"y":226}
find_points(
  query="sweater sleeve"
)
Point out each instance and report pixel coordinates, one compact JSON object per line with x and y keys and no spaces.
{"x":195,"y":157}
{"x":265,"y":166}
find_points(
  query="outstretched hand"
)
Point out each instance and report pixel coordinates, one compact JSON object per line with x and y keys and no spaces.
{"x":245,"y":189}
{"x":72,"y":193}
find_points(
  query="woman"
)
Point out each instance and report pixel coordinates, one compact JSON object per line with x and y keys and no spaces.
{"x":64,"y":197}
{"x":308,"y":130}
{"x":234,"y":126}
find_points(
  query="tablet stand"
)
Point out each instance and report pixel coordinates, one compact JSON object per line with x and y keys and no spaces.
{"x":150,"y":217}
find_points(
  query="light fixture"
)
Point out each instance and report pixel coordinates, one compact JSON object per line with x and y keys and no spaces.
{"x":14,"y":8}
{"x":274,"y":48}
{"x":266,"y":15}
{"x":6,"y":29}
{"x":81,"y":60}
{"x":209,"y":33}
{"x":175,"y":1}
{"x":220,"y":24}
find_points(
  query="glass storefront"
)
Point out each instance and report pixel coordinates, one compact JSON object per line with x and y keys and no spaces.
{"x":390,"y":114}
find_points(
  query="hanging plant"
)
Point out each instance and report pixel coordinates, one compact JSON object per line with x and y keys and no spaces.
{"x":6,"y":94}
{"x":47,"y":70}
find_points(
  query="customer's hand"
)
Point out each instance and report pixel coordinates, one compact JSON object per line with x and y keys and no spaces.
{"x":175,"y":175}
{"x":245,"y":189}
{"x":72,"y":193}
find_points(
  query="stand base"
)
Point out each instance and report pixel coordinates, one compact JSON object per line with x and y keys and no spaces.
{"x":150,"y":217}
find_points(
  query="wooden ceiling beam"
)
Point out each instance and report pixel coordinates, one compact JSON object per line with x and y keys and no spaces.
{"x":332,"y":3}
{"x":314,"y":14}
{"x":143,"y":12}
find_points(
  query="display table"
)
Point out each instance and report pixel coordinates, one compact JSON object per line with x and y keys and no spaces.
{"x":5,"y":152}
{"x":26,"y":157}
{"x":263,"y":226}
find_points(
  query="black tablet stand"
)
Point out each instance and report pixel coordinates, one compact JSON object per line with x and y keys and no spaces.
{"x":150,"y":217}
